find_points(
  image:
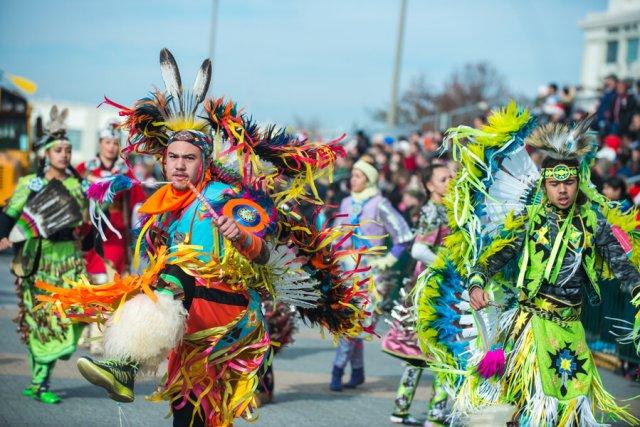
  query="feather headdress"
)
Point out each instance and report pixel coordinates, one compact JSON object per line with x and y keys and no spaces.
{"x":563,"y":142}
{"x":55,"y":130}
{"x":153,"y":120}
{"x":245,"y":154}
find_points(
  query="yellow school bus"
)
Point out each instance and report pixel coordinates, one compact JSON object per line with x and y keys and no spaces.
{"x":15,"y":140}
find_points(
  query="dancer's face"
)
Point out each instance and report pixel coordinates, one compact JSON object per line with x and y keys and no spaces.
{"x":359,"y":181}
{"x":109,"y":148}
{"x":439,"y":182}
{"x":183,"y":162}
{"x":612,"y":193}
{"x":561,"y":194}
{"x":59,"y":156}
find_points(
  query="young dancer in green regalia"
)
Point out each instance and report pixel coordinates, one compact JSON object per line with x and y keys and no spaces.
{"x":531,"y":246}
{"x":40,"y":220}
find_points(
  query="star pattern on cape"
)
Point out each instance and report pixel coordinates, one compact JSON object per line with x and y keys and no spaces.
{"x":542,"y":236}
{"x":566,"y":364}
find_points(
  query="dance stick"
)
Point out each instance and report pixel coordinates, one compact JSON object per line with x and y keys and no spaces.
{"x":204,"y":201}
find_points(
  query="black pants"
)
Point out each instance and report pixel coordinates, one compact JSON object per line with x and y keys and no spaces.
{"x":182,"y":417}
{"x":266,"y":381}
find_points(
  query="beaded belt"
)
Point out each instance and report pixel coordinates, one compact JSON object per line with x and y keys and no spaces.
{"x":551,"y":309}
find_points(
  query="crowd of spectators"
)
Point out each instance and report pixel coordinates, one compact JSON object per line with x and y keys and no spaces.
{"x":616,"y":121}
{"x":401,"y":162}
{"x":616,"y":171}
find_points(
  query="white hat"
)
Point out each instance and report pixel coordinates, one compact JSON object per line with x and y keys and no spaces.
{"x":111,"y":130}
{"x":368,"y":170}
{"x":607,"y":153}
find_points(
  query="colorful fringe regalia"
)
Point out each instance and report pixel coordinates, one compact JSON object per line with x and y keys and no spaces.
{"x":114,"y":247}
{"x":255,"y":177}
{"x":536,"y":262}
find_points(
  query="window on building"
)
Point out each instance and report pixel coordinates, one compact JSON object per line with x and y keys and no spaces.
{"x":632,"y":49}
{"x":612,"y":51}
{"x":75,"y":137}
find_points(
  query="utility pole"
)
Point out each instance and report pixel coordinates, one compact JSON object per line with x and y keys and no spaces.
{"x":214,"y":29}
{"x":391,"y":115}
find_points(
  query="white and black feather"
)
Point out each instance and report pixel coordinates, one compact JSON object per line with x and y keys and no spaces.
{"x":171,"y":77}
{"x":201,"y":85}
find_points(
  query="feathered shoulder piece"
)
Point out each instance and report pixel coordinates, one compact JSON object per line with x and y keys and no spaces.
{"x":495,"y":178}
{"x":563,"y":142}
{"x":492,"y":185}
{"x":271,"y":155}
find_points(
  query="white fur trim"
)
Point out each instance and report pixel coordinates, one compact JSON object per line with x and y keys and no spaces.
{"x":145,"y":331}
{"x":365,"y":194}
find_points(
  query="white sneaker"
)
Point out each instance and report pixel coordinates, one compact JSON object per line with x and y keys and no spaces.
{"x":406,"y":420}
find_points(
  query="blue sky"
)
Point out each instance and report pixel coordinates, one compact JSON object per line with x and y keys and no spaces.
{"x":328,"y":60}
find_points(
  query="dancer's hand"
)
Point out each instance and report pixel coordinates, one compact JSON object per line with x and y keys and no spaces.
{"x":5,"y":244}
{"x":229,"y":229}
{"x":478,"y":299}
{"x":383,"y":263}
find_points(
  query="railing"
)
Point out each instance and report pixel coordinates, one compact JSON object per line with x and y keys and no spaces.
{"x":615,"y":304}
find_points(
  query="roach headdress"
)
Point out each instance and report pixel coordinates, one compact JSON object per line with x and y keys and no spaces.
{"x":156,"y":119}
{"x":562,"y":142}
{"x":238,"y":150}
{"x":55,"y":130}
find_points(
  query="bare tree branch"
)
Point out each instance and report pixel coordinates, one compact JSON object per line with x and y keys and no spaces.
{"x":474,"y":83}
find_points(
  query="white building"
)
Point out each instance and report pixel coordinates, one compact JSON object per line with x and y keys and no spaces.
{"x":84,"y":123}
{"x":611,"y":43}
